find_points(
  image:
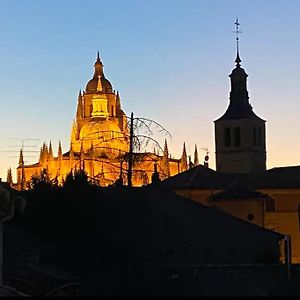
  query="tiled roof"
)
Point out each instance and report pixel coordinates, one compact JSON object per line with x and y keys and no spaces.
{"x":201,"y":177}
{"x":238,"y":191}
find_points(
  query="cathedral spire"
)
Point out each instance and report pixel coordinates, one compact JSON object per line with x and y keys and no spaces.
{"x":98,"y":58}
{"x":118,"y":98}
{"x":59,"y":152}
{"x":98,"y":67}
{"x":21,"y":179}
{"x":183,"y":161}
{"x":9,"y":178}
{"x":41,"y":154}
{"x":45,"y":151}
{"x":196,"y":158}
{"x":21,"y":158}
{"x":165,"y":161}
{"x":166,"y":151}
{"x":50,"y":152}
{"x":79,"y":113}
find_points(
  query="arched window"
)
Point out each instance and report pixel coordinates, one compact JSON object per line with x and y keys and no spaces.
{"x":237,"y":136}
{"x":227,"y":137}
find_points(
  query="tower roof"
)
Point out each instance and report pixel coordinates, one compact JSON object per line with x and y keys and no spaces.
{"x":239,"y":106}
{"x":238,"y":191}
{"x":93,"y":85}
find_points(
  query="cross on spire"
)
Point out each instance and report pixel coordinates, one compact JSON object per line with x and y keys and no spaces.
{"x":237,"y":32}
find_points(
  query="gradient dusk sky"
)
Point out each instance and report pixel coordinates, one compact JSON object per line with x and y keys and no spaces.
{"x":169,"y":59}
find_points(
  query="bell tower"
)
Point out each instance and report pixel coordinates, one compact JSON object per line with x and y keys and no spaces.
{"x":240,"y":136}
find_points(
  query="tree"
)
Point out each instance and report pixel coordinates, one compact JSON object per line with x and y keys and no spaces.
{"x":43,"y":181}
{"x":140,"y":137}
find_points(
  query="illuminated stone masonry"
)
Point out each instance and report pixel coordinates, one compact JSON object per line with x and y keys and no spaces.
{"x":100,"y":143}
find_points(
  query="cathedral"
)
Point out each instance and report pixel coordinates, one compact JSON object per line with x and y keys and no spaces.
{"x":99,"y":145}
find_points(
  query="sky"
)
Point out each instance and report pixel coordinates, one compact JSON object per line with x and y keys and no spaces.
{"x":169,"y":59}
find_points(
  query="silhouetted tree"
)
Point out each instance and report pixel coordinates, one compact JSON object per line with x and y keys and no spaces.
{"x":42,"y":182}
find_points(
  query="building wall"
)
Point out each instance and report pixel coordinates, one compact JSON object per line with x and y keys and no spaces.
{"x":248,"y":210}
{"x":286,"y":223}
{"x":197,"y":195}
{"x":286,"y":206}
{"x":285,"y":199}
{"x":249,"y":155}
{"x":104,"y":171}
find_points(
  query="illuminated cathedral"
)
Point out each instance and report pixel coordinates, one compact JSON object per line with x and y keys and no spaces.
{"x":100,"y":144}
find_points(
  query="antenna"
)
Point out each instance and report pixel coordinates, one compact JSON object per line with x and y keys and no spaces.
{"x":22,"y":145}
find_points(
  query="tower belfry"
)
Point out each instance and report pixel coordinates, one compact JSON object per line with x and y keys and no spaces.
{"x":240,"y":133}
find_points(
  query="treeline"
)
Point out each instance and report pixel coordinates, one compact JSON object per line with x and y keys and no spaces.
{"x":76,"y":219}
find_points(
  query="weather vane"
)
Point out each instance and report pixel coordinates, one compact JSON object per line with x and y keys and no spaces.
{"x":237,"y":31}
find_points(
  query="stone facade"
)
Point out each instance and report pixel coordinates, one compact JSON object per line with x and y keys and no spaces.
{"x":100,"y":144}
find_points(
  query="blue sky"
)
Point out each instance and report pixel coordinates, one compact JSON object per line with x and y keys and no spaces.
{"x":169,"y":59}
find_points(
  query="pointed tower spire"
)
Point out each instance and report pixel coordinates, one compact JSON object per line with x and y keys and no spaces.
{"x":165,"y":161}
{"x":118,"y":105}
{"x":9,"y":178}
{"x":98,"y":66}
{"x":79,"y":112}
{"x":45,"y":151}
{"x":239,"y":106}
{"x":21,"y":177}
{"x":21,"y":158}
{"x":118,"y":98}
{"x":183,"y":161}
{"x":50,"y":152}
{"x":196,"y":159}
{"x":59,"y":152}
{"x":41,"y":155}
{"x":166,"y":151}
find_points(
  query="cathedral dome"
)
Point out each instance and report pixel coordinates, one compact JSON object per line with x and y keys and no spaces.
{"x":92,"y":85}
{"x":99,"y":83}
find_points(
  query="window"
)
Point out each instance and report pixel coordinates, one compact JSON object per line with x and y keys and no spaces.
{"x":270,"y":205}
{"x":227,"y":137}
{"x":237,"y":136}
